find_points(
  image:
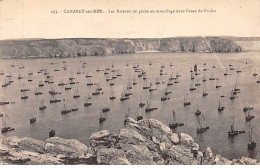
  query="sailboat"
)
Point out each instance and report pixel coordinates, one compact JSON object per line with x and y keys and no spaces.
{"x":220,"y":108}
{"x":204,"y":92}
{"x":232,"y":132}
{"x":163,"y":98}
{"x":232,"y":97}
{"x":173,"y":124}
{"x":123,"y":97}
{"x":248,"y":116}
{"x":24,"y":96}
{"x":255,"y":74}
{"x":140,"y":116}
{"x":74,"y":108}
{"x":141,"y":104}
{"x":192,"y":87}
{"x":87,"y":103}
{"x":105,"y":109}
{"x":54,"y":100}
{"x":252,"y":144}
{"x":33,"y":119}
{"x":101,"y":118}
{"x":76,"y":94}
{"x":157,"y":81}
{"x":145,"y":85}
{"x":186,"y":102}
{"x":197,"y":112}
{"x":126,"y":115}
{"x":134,"y":82}
{"x":90,"y":83}
{"x":52,"y":91}
{"x":197,"y":82}
{"x":148,"y":107}
{"x":225,"y":74}
{"x":5,"y":128}
{"x":61,"y":83}
{"x":42,"y":105}
{"x":200,"y":129}
{"x":217,"y":84}
{"x":20,"y":76}
{"x":30,"y":79}
{"x":41,"y":84}
{"x":65,"y":110}
{"x":151,"y":89}
{"x":37,"y":92}
{"x":51,"y":133}
{"x":192,"y":76}
{"x":112,"y":97}
{"x":166,"y":92}
{"x":150,"y":62}
{"x":204,"y":78}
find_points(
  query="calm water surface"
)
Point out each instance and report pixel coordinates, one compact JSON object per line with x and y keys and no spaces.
{"x":81,"y":124}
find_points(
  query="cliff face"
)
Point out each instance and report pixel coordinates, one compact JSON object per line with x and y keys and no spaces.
{"x":145,"y":142}
{"x":95,"y":47}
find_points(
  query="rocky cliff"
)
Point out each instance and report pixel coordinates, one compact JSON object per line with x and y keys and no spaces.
{"x":96,"y":47}
{"x":146,"y":142}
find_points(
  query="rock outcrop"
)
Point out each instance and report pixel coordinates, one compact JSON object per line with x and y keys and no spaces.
{"x":146,"y":142}
{"x":100,"y":47}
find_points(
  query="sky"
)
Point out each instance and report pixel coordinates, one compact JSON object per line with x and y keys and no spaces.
{"x":33,"y":19}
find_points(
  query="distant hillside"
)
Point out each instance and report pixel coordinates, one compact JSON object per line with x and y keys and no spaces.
{"x":96,"y":47}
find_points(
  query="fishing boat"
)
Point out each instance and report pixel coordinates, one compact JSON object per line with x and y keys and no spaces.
{"x":3,"y":102}
{"x":6,"y":83}
{"x":197,"y":112}
{"x":192,"y":88}
{"x":20,"y":76}
{"x":173,"y":124}
{"x":248,"y":116}
{"x":236,"y":90}
{"x":65,"y":110}
{"x":225,"y":74}
{"x":87,"y":103}
{"x":255,"y":74}
{"x":32,"y":119}
{"x":123,"y":97}
{"x":148,"y":107}
{"x":30,"y":73}
{"x":101,"y":118}
{"x":197,"y":82}
{"x":192,"y":77}
{"x":30,"y":79}
{"x":112,"y":97}
{"x":105,"y":109}
{"x":217,"y":84}
{"x":220,"y":108}
{"x":67,"y":87}
{"x":24,"y":90}
{"x":126,"y":115}
{"x":24,"y":96}
{"x":61,"y":83}
{"x":141,"y":104}
{"x":37,"y":92}
{"x":252,"y":144}
{"x":54,"y":100}
{"x":76,"y":94}
{"x":232,"y":131}
{"x":140,"y":116}
{"x":90,"y":83}
{"x":186,"y":102}
{"x":157,"y":81}
{"x":88,"y":76}
{"x":97,"y":92}
{"x":42,"y":105}
{"x":134,"y":82}
{"x":145,"y":85}
{"x":74,"y":108}
{"x":51,"y":133}
{"x":200,"y":129}
{"x":52,"y":91}
{"x":204,"y":78}
{"x":5,"y":128}
{"x":41,"y":84}
{"x":232,"y":97}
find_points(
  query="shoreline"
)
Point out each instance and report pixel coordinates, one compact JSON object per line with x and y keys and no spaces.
{"x":142,"y":52}
{"x":147,"y":142}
